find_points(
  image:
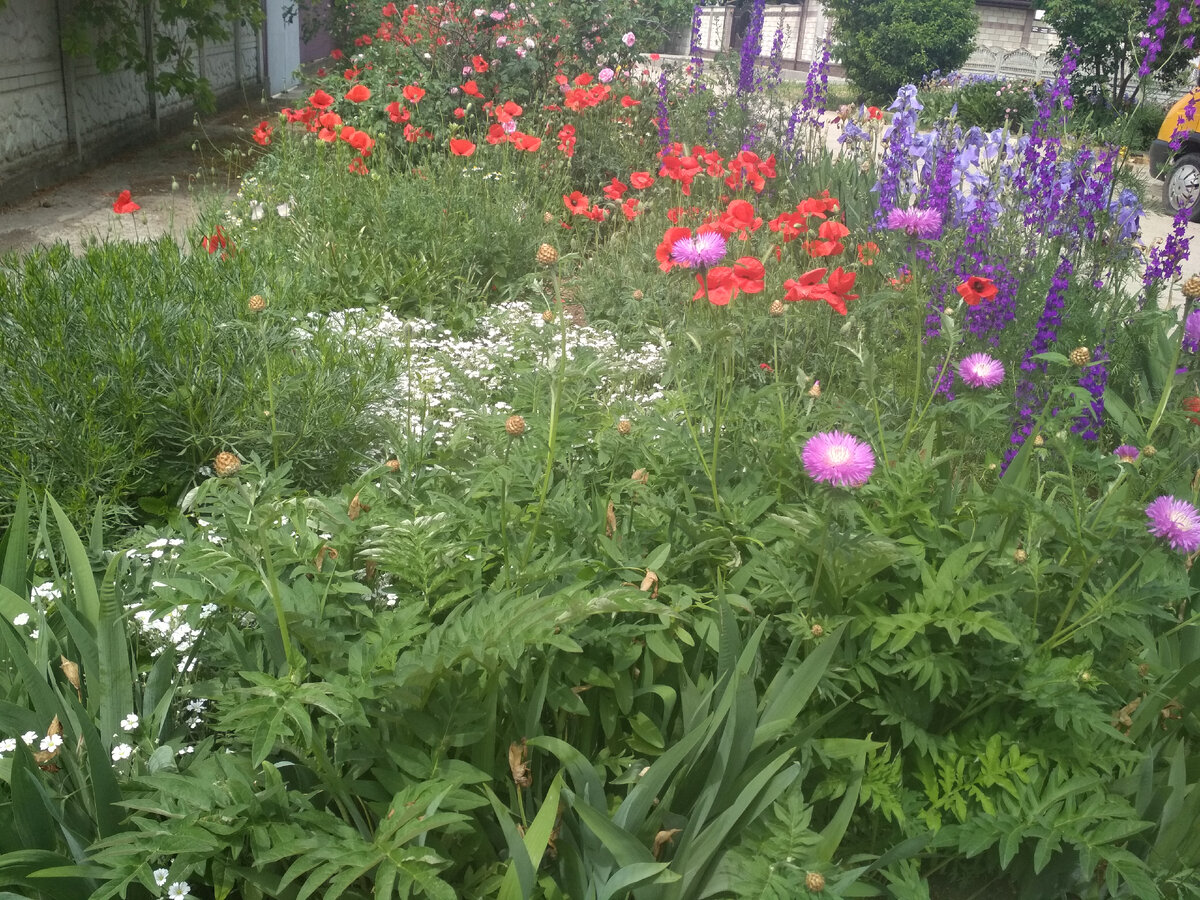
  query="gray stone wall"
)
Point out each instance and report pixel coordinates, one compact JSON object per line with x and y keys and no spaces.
{"x":62,"y":112}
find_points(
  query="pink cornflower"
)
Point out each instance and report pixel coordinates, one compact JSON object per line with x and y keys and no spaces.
{"x":1177,"y":521}
{"x":1127,"y":453}
{"x":700,"y":251}
{"x":838,"y":459}
{"x":980,"y":370}
{"x":915,"y":222}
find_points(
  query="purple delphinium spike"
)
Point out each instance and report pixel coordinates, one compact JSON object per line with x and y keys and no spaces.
{"x":816,"y":86}
{"x":897,"y":163}
{"x":751,"y":44}
{"x":1094,"y":380}
{"x":1151,"y":40}
{"x":697,"y":58}
{"x":775,"y":69}
{"x":664,"y":122}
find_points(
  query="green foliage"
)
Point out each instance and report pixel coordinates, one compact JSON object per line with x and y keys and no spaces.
{"x":1109,"y":47}
{"x":128,"y":367}
{"x":156,"y":38}
{"x":888,"y":43}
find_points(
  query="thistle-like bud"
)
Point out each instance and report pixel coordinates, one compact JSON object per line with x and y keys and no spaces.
{"x":515,"y":426}
{"x":1081,"y":356}
{"x":257,"y":303}
{"x":624,"y":426}
{"x":814,"y":881}
{"x":546,"y":255}
{"x":226,"y":463}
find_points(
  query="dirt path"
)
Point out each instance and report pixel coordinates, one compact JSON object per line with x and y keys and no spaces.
{"x":172,"y":180}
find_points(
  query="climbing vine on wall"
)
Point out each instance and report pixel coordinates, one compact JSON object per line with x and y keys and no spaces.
{"x":160,"y":39}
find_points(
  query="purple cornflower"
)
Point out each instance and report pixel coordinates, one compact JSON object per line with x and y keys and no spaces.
{"x":1127,"y":453}
{"x":981,"y":370}
{"x":838,"y":459}
{"x":1094,"y":380}
{"x":1191,"y":332}
{"x":915,"y":222}
{"x":751,"y":44}
{"x":1177,"y":521}
{"x":700,"y":251}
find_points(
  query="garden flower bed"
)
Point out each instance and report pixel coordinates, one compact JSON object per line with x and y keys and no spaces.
{"x":546,"y":480}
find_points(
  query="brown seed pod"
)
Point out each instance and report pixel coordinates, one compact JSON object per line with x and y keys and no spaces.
{"x":546,"y":255}
{"x":257,"y":303}
{"x":624,"y":426}
{"x":515,"y":426}
{"x":1081,"y":356}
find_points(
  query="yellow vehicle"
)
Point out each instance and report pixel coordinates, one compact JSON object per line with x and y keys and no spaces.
{"x":1179,"y":170}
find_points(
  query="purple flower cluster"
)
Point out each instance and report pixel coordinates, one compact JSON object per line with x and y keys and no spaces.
{"x":1029,"y":397}
{"x":816,"y":86}
{"x":1191,"y":332}
{"x":751,"y":44}
{"x":1151,"y":40}
{"x":664,"y":120}
{"x":775,"y":69}
{"x":1094,"y":379}
{"x":697,"y":58}
{"x":897,"y":164}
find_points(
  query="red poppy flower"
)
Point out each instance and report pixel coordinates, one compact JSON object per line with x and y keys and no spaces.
{"x":360,"y":141}
{"x":640,"y":180}
{"x":335,"y":54}
{"x":841,"y":283}
{"x":830,"y":243}
{"x":471,"y":89}
{"x":748,"y":274}
{"x":628,"y":101}
{"x":975,"y":289}
{"x":320,"y":99}
{"x":807,"y":287}
{"x":358,"y":166}
{"x":461,"y":147}
{"x":508,"y":111}
{"x":718,"y":284}
{"x":459,"y":112}
{"x":358,"y":93}
{"x":583,"y":79}
{"x":389,"y":9}
{"x":629,"y":208}
{"x":1192,"y":404}
{"x":739,"y":217}
{"x":867,"y":252}
{"x":216,"y":241}
{"x":479,"y":63}
{"x":577,"y":203}
{"x":873,"y":112}
{"x":124,"y":203}
{"x":615,"y":190}
{"x":413,"y":94}
{"x":526,"y":142}
{"x":262,"y":133}
{"x":397,"y":113}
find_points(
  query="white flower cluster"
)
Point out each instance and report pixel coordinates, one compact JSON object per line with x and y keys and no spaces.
{"x":448,"y":378}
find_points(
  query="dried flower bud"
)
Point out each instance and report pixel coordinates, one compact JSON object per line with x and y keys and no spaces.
{"x":638,"y":295}
{"x":775,"y":310}
{"x":546,"y":255}
{"x":1149,"y":450}
{"x":817,"y":630}
{"x":1191,"y":288}
{"x":547,"y":217}
{"x":1020,"y":556}
{"x":515,"y":426}
{"x":547,"y":315}
{"x":257,"y":303}
{"x":1081,"y":356}
{"x":624,"y":426}
{"x":393,"y":465}
{"x":1038,"y":440}
{"x":815,"y":390}
{"x":226,"y":463}
{"x":814,"y":881}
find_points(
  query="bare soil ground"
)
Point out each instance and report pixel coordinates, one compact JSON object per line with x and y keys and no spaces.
{"x":173,"y":180}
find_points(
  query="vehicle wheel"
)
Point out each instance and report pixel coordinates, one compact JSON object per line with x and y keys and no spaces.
{"x":1181,"y":188}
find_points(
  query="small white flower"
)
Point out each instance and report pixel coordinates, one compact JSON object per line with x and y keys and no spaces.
{"x":130,"y":722}
{"x":284,"y":210}
{"x":51,"y":742}
{"x":33,"y":635}
{"x":183,"y":751}
{"x":29,"y":737}
{"x":20,"y":620}
{"x":257,"y":210}
{"x":121,"y":751}
{"x":160,"y":876}
{"x":8,"y":745}
{"x":179,"y":890}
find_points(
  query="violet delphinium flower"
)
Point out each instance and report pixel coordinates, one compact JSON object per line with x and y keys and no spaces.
{"x":1191,"y":332}
{"x":1151,"y":40}
{"x":775,"y":69}
{"x":664,"y":122}
{"x":919,"y":223}
{"x":751,"y":43}
{"x":697,"y":57}
{"x":897,"y":161}
{"x":1094,"y":380}
{"x":1127,"y":453}
{"x":981,"y":370}
{"x":816,"y":86}
{"x":1177,"y":521}
{"x":700,"y":251}
{"x":838,"y":459}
